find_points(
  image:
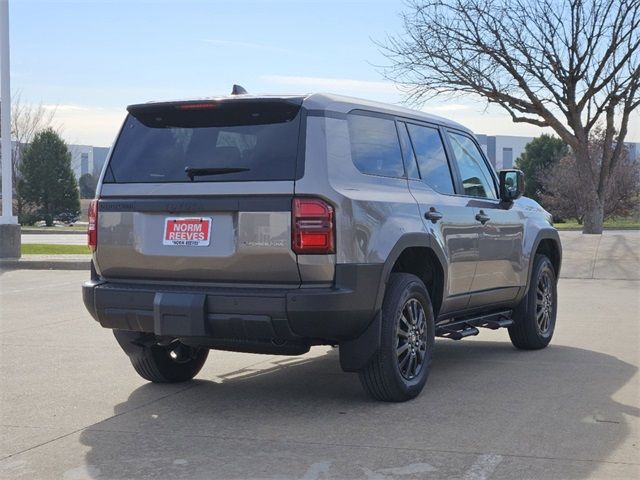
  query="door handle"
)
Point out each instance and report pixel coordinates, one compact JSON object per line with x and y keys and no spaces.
{"x":482,"y":217}
{"x":433,"y":215}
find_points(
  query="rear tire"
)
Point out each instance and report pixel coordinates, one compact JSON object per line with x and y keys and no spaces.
{"x":535,"y":316}
{"x":399,"y":369}
{"x":171,"y":363}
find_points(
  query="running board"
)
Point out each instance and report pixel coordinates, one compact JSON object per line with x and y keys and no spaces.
{"x":457,"y":334}
{"x":457,"y":328}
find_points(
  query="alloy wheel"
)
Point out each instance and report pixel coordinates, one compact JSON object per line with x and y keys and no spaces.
{"x":411,"y":339}
{"x":545,"y":302}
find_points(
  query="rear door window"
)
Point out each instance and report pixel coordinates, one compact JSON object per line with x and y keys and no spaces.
{"x":375,"y":149}
{"x":432,"y":159}
{"x":157,"y":146}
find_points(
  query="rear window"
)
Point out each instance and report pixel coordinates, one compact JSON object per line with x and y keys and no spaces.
{"x":236,"y":142}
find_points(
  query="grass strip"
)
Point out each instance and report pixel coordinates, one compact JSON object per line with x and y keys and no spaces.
{"x":44,"y":249}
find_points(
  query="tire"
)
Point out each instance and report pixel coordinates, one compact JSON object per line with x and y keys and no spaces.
{"x":389,"y":376}
{"x":535,"y":316}
{"x":172,"y":363}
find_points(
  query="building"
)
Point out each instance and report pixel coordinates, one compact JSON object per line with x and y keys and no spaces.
{"x":87,"y":159}
{"x":634,"y":150}
{"x":504,"y":150}
{"x":99,"y":158}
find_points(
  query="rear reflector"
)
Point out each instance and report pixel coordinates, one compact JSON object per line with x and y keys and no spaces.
{"x":92,"y":230}
{"x":312,"y":226}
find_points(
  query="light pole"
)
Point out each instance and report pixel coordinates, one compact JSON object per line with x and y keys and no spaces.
{"x":9,"y":228}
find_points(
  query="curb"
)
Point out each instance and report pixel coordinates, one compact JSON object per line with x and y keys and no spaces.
{"x":26,"y":264}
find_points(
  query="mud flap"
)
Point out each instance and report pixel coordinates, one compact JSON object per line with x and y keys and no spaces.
{"x":356,"y":354}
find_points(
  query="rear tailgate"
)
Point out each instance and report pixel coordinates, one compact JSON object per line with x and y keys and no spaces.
{"x":227,"y":218}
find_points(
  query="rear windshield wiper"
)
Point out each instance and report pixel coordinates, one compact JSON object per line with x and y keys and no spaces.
{"x":193,"y":172}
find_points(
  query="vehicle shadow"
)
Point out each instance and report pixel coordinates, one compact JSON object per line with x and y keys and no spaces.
{"x":482,"y":397}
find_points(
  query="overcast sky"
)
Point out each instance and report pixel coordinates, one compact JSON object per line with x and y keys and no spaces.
{"x":90,"y":58}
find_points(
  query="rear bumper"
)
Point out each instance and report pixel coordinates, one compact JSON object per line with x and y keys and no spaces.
{"x":230,"y":316}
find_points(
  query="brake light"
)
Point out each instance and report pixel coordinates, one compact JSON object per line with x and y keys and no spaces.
{"x":197,"y":106}
{"x":312,"y":226}
{"x":92,"y":230}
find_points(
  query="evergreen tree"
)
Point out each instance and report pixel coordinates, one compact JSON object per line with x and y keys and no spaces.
{"x":47,"y":182}
{"x":539,"y":156}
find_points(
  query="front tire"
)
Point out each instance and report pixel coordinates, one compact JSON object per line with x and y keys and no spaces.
{"x":175,"y":362}
{"x":399,"y":369}
{"x":535,"y":317}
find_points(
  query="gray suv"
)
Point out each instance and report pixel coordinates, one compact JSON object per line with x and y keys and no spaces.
{"x":269,"y":224}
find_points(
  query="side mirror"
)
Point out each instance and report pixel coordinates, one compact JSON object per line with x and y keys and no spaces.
{"x":511,"y":185}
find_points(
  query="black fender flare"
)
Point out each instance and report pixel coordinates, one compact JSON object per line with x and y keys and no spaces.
{"x":355,"y":354}
{"x":542,"y":234}
{"x":408,"y":240}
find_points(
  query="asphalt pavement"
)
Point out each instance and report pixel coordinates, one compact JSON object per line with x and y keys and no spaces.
{"x":73,"y":408}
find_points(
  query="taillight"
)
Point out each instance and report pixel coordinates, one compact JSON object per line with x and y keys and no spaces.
{"x":92,"y":230}
{"x":312,"y":226}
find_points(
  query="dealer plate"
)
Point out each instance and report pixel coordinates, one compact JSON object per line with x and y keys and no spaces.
{"x":187,"y":231}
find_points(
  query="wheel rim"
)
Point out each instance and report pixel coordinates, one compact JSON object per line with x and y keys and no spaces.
{"x":545,"y":302}
{"x":411,"y":336}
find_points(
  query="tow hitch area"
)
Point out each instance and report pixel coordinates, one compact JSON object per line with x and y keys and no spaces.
{"x":458,"y":328}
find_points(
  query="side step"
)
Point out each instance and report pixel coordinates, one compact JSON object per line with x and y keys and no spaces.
{"x":459,"y":334}
{"x":458,"y":328}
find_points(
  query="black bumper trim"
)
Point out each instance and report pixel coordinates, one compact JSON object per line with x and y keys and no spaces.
{"x":315,"y":315}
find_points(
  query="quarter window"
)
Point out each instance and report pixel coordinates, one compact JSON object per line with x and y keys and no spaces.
{"x":476,"y":177}
{"x":374,"y":146}
{"x":432,"y":159}
{"x":407,"y":152}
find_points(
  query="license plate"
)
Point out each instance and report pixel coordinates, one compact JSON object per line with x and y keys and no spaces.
{"x":187,"y":232}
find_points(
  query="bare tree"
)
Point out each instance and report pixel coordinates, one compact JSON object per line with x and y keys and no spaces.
{"x":26,"y":121}
{"x":564,"y":193}
{"x":571,"y":65}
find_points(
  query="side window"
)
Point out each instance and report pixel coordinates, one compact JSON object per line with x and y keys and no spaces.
{"x":476,"y":177}
{"x":374,"y":146}
{"x":432,"y":159}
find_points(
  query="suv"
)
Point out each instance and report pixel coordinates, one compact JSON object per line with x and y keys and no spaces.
{"x":269,"y":224}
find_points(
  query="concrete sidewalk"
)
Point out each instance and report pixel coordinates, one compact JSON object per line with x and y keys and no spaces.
{"x":614,"y":255}
{"x":47,"y":262}
{"x":55,"y":238}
